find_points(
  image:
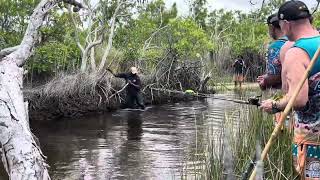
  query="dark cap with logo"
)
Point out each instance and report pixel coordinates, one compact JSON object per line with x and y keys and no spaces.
{"x":293,"y":10}
{"x":273,"y":20}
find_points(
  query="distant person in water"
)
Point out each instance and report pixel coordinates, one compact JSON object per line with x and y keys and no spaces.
{"x":272,"y":76}
{"x":238,"y":71}
{"x":134,"y":96}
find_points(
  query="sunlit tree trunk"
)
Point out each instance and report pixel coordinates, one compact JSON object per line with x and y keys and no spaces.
{"x":89,"y":43}
{"x":21,"y":156}
{"x":111,"y":34}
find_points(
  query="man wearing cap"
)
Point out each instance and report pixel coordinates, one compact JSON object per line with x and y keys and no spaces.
{"x":272,"y":77}
{"x":134,"y":95}
{"x":294,"y":20}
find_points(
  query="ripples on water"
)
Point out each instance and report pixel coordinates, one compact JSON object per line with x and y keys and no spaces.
{"x":162,"y":142}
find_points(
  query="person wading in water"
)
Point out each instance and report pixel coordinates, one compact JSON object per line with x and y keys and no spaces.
{"x":294,"y":20}
{"x":134,"y":96}
{"x":238,"y":71}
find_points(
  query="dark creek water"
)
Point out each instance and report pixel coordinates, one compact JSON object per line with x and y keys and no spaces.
{"x":159,"y":143}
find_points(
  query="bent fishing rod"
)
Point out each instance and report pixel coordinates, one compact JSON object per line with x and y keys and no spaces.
{"x":251,"y":100}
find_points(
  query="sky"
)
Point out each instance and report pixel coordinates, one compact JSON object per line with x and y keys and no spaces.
{"x":243,"y":5}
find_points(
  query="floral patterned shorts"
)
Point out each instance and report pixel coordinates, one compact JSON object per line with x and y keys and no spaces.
{"x":306,"y":158}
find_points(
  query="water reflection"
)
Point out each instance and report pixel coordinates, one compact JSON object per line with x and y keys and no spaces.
{"x":163,"y":142}
{"x":134,"y":123}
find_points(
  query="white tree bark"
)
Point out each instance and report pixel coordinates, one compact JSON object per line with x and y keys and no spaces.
{"x":6,"y":51}
{"x":89,"y":44}
{"x":110,"y":39}
{"x":92,"y":59}
{"x":21,"y":156}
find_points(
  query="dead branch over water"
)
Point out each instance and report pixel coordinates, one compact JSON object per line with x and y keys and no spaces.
{"x":69,"y":95}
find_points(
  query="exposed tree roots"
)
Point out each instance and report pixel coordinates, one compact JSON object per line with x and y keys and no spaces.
{"x":80,"y":93}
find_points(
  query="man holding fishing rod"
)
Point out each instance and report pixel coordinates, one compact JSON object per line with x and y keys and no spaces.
{"x":294,"y":20}
{"x":272,"y":77}
{"x":133,"y":87}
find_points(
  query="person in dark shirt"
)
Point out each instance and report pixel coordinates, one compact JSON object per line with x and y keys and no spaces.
{"x":238,"y":67}
{"x":133,"y":88}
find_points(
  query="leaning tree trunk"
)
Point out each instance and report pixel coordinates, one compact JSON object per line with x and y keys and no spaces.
{"x":21,"y":156}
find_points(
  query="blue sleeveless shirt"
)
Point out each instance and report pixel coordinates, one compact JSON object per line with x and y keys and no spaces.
{"x":309,"y":116}
{"x":273,"y":56}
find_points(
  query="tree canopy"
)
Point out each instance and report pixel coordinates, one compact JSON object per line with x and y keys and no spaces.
{"x":142,"y":32}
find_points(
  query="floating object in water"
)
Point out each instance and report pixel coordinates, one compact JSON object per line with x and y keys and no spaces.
{"x":189,"y":91}
{"x":136,"y":109}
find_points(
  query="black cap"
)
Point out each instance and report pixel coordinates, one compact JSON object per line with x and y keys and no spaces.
{"x":273,"y":20}
{"x":293,"y":10}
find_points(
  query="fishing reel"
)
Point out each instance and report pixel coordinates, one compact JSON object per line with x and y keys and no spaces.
{"x":255,"y":100}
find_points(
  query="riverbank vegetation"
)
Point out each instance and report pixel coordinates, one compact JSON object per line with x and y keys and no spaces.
{"x":174,"y":52}
{"x":66,"y":62}
{"x":231,"y":153}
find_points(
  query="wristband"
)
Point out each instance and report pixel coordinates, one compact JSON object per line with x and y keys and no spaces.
{"x":275,"y":108}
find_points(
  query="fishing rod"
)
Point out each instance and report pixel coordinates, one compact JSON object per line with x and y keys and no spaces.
{"x":251,"y":100}
{"x":286,"y":111}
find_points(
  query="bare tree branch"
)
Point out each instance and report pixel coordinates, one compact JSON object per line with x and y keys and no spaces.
{"x":250,"y":1}
{"x":110,"y":39}
{"x":74,"y":3}
{"x":31,"y":34}
{"x":7,"y":51}
{"x":76,"y":31}
{"x":148,"y":41}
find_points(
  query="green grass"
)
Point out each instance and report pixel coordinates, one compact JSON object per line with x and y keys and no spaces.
{"x":240,"y":142}
{"x":222,"y":87}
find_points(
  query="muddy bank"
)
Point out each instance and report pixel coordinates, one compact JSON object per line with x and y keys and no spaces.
{"x":79,"y":94}
{"x":51,"y":108}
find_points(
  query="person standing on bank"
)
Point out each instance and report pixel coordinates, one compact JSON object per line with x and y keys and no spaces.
{"x":294,"y":20}
{"x":272,"y":77}
{"x":134,"y":96}
{"x":238,"y":71}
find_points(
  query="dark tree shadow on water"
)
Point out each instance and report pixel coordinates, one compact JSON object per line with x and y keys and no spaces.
{"x":134,"y":122}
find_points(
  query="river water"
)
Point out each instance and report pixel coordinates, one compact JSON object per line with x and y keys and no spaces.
{"x":161,"y":142}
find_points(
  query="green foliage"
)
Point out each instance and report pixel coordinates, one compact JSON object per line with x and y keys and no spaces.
{"x":199,"y":12}
{"x":247,"y":36}
{"x":133,"y":37}
{"x":238,"y":30}
{"x":14,"y":16}
{"x":316,"y":20}
{"x":57,"y":50}
{"x":188,"y":39}
{"x":54,"y":57}
{"x":59,"y":28}
{"x":145,"y":37}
